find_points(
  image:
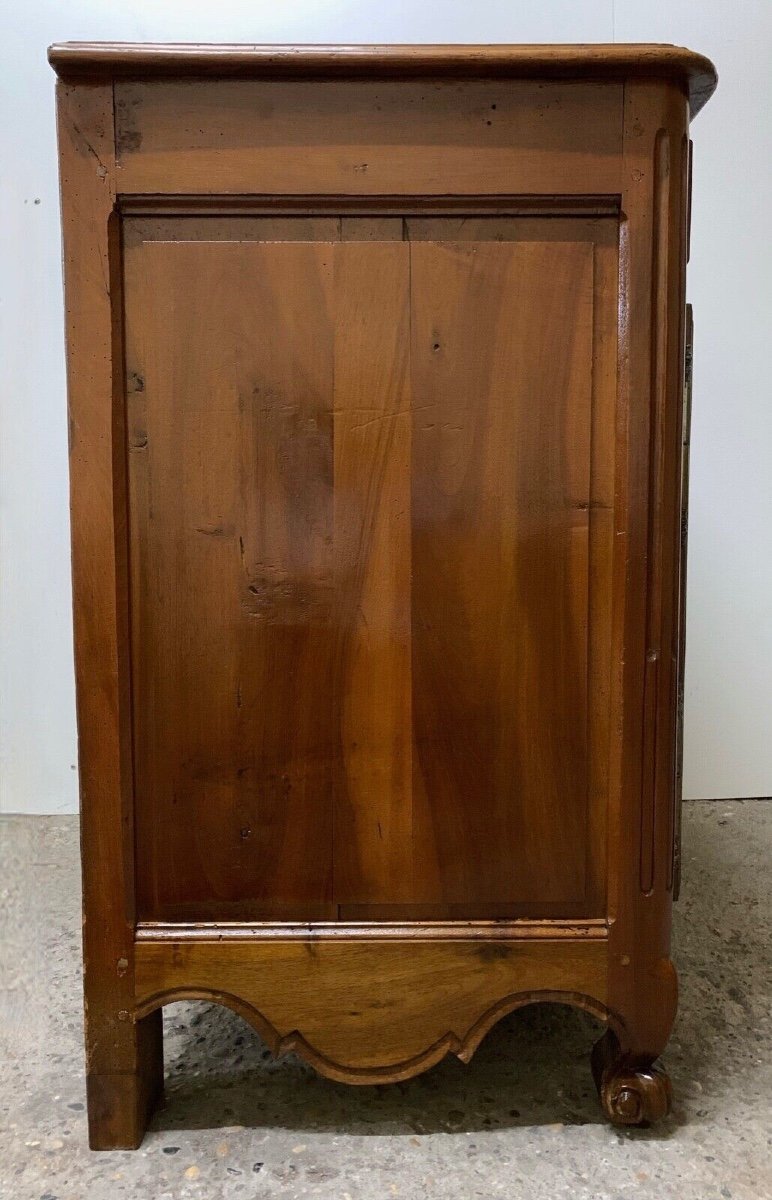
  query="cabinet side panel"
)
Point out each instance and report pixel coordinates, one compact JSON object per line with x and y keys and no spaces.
{"x":502,"y":363}
{"x":229,"y":384}
{"x":370,"y":547}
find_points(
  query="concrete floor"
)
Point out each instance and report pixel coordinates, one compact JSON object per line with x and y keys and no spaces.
{"x":521,"y":1121}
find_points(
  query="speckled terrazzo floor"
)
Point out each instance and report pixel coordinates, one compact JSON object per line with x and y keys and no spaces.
{"x":521,"y":1121}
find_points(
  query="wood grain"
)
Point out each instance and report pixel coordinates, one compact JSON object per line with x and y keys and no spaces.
{"x":232,"y":525}
{"x":400,"y":1006}
{"x":602,"y":233}
{"x":359,"y":137}
{"x":124,"y":1068}
{"x":372,"y":536}
{"x":500,"y":571}
{"x":695,"y":73}
{"x":360,"y":553}
{"x":642,"y":978}
{"x":375,"y":383}
{"x":404,"y":931}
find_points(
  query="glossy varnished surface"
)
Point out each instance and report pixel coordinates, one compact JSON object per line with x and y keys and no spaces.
{"x":500,"y":517}
{"x":360,"y":541}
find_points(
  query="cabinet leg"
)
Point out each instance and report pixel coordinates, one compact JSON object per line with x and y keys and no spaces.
{"x":630,"y":1093}
{"x":121,"y":1104}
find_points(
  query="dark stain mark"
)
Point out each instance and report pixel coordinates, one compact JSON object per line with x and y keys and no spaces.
{"x":238,"y":694}
{"x":245,"y":833}
{"x":376,"y":1004}
{"x":266,"y":399}
{"x":493,"y":951}
{"x":128,"y":141}
{"x":218,"y":530}
{"x":134,"y":382}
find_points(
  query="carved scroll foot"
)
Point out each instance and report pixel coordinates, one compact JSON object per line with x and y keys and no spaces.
{"x":629,"y":1094}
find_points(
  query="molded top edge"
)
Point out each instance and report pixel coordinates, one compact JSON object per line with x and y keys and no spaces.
{"x":92,"y":60}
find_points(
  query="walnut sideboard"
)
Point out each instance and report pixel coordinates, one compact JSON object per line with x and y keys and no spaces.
{"x":376,"y":395}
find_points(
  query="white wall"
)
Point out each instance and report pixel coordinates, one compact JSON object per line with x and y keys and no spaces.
{"x":729,"y":665}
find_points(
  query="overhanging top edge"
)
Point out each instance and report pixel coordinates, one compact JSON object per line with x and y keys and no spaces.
{"x":75,"y":61}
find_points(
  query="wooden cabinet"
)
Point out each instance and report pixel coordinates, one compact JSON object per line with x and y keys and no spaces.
{"x":375,"y":381}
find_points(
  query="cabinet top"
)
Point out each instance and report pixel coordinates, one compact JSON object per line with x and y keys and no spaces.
{"x":90,"y":60}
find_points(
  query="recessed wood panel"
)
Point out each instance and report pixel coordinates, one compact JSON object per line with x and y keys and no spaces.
{"x":229,"y":376}
{"x":370,"y":609}
{"x":502,"y":368}
{"x":373,"y":816}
